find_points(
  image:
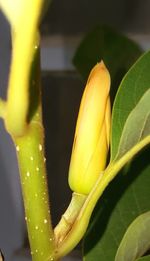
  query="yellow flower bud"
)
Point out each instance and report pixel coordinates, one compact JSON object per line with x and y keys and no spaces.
{"x":91,"y":141}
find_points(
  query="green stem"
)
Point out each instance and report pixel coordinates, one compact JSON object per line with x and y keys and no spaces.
{"x":24,"y":123}
{"x":81,"y":223}
{"x":69,"y":217}
{"x":31,"y":161}
{"x":35,"y":195}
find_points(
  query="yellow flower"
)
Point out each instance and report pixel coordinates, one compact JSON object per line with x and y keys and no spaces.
{"x":91,"y":141}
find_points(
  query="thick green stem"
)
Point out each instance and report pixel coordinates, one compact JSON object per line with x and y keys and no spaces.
{"x":22,"y":116}
{"x":35,"y":195}
{"x":30,"y":151}
{"x":31,"y":161}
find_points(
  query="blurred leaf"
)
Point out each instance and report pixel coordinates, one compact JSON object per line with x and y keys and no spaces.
{"x":133,"y":86}
{"x":137,"y":126}
{"x":136,"y":241}
{"x":117,"y":51}
{"x":125,"y":198}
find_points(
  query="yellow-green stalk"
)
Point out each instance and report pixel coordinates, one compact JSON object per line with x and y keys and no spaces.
{"x":23,"y":120}
{"x":24,"y":19}
{"x":91,"y":141}
{"x":31,"y":162}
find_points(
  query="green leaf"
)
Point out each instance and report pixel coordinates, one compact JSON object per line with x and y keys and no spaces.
{"x":117,"y":51}
{"x":136,"y":241}
{"x":137,"y":126}
{"x":144,"y":258}
{"x":124,"y":199}
{"x":133,"y":86}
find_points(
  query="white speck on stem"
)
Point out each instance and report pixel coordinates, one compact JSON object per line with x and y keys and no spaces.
{"x":40,"y":147}
{"x":44,"y":159}
{"x":36,"y":195}
{"x":26,"y":218}
{"x":17,"y":148}
{"x":31,"y":158}
{"x":36,"y":227}
{"x":36,"y":250}
{"x":37,"y":169}
{"x":28,"y":174}
{"x":45,"y":221}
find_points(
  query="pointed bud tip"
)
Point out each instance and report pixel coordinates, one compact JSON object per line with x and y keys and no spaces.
{"x":99,"y":75}
{"x":101,"y":65}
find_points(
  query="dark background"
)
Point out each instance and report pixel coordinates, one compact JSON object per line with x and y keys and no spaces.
{"x":73,"y":17}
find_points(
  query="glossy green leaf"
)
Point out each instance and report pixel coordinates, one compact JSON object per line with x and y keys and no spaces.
{"x":133,"y":86}
{"x":136,"y":241}
{"x":137,"y":125}
{"x":117,"y":51}
{"x":125,"y":198}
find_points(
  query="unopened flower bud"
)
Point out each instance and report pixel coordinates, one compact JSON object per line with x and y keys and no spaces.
{"x":91,"y":141}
